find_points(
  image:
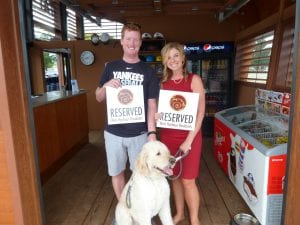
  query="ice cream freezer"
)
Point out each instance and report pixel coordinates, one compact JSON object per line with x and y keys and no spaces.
{"x":250,"y":144}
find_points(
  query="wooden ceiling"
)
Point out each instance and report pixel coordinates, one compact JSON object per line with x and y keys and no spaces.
{"x":121,"y":10}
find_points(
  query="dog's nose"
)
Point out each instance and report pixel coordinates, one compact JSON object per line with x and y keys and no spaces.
{"x":172,"y":161}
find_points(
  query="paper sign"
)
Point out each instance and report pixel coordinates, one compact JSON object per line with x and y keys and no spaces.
{"x":178,"y":109}
{"x":273,"y":101}
{"x":125,"y":105}
{"x":74,"y":86}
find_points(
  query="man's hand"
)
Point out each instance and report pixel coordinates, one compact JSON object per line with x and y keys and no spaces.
{"x":115,"y":83}
{"x":100,"y":91}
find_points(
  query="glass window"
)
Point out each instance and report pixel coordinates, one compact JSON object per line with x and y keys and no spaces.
{"x":71,"y":24}
{"x":46,"y":19}
{"x":57,"y":68}
{"x":253,"y":58}
{"x":107,"y":26}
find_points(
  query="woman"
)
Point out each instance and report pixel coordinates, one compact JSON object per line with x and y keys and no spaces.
{"x":176,"y":78}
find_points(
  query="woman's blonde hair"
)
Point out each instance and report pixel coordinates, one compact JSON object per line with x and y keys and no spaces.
{"x":167,"y":73}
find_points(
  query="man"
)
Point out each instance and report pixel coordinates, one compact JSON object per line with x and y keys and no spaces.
{"x":123,"y":141}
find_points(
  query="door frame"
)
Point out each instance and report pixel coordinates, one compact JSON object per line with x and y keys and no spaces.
{"x":17,"y":151}
{"x":291,"y":215}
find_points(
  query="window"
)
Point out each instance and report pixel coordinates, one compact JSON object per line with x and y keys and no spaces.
{"x":51,"y":60}
{"x":285,"y":64}
{"x":71,"y":25}
{"x":253,"y":58}
{"x":107,"y":26}
{"x":57,"y":68}
{"x":46,"y":19}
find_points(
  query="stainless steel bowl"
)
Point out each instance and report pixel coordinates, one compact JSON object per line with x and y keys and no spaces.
{"x":244,"y":219}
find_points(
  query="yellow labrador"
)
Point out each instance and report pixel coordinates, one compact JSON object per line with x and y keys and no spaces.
{"x":147,"y":193}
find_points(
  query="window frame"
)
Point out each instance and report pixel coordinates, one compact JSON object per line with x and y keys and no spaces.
{"x":284,"y":65}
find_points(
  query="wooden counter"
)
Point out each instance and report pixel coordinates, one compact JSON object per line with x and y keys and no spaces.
{"x":61,"y":127}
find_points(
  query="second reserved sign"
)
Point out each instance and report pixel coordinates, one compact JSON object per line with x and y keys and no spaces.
{"x":178,"y":109}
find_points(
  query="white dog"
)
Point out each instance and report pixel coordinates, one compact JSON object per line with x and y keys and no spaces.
{"x":147,"y":193}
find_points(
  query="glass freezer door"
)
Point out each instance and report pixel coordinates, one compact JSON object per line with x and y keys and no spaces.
{"x":215,"y":76}
{"x":194,"y":66}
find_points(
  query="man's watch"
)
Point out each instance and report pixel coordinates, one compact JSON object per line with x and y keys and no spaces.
{"x":151,"y":132}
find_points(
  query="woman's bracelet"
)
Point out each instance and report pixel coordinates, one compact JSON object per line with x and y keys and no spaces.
{"x":151,"y":132}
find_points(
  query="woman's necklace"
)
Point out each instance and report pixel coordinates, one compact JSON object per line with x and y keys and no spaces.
{"x":178,"y":80}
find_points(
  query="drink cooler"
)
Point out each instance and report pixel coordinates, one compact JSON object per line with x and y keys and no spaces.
{"x":213,"y":61}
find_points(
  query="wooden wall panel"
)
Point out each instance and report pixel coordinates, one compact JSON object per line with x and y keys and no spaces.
{"x":61,"y":128}
{"x":36,"y":72}
{"x":243,"y":94}
{"x":47,"y":135}
{"x":67,"y":119}
{"x":7,"y":213}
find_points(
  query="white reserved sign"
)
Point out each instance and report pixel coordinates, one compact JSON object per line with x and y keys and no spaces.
{"x":125,"y":104}
{"x":178,"y":109}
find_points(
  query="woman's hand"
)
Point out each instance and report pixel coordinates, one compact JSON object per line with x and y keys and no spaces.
{"x":185,"y":147}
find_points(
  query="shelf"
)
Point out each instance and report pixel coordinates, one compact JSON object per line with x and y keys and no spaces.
{"x":157,"y":66}
{"x":152,"y":45}
{"x":150,"y":52}
{"x":155,"y":62}
{"x":151,"y":48}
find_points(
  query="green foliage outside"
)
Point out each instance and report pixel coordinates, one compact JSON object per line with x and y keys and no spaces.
{"x":261,"y":56}
{"x":49,"y":60}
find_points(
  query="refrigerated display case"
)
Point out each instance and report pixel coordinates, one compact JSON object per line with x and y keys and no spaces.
{"x":213,"y":62}
{"x":250,"y":144}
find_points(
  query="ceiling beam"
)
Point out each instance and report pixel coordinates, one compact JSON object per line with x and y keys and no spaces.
{"x":222,"y":15}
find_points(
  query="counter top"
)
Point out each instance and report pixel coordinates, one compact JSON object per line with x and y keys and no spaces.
{"x":54,"y":96}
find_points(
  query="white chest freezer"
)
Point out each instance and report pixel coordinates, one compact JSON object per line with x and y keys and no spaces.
{"x":250,"y":144}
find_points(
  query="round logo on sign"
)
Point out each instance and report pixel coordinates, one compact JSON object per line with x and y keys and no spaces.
{"x":125,"y":96}
{"x":207,"y":47}
{"x":177,"y":102}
